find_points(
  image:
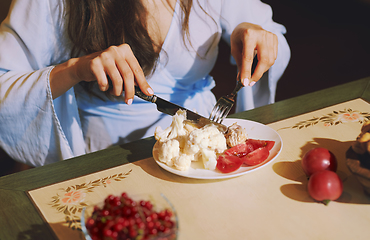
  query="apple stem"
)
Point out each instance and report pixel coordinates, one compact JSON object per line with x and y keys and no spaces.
{"x":326,"y":202}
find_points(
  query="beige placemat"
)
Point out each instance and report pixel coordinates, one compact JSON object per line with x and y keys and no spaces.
{"x":332,"y":127}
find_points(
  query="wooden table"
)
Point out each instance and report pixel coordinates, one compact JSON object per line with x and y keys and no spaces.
{"x":265,"y":219}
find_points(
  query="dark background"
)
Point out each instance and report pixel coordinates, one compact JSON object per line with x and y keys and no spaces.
{"x":329,"y":41}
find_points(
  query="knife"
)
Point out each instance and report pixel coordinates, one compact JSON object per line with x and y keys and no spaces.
{"x":169,"y":108}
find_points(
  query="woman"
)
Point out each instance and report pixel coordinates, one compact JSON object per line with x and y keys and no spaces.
{"x":56,"y":57}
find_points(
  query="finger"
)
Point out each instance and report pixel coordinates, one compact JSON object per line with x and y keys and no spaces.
{"x":265,"y":61}
{"x":98,"y":71}
{"x":262,"y":65}
{"x":247,"y":59}
{"x":124,"y":71}
{"x":136,"y":70}
{"x":129,"y":82}
{"x":272,"y":43}
{"x":116,"y":78}
{"x":108,"y":60}
{"x":276,"y":46}
{"x":267,"y":54}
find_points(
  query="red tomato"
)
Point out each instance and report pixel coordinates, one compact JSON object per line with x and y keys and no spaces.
{"x":257,"y":156}
{"x":324,"y":186}
{"x":270,"y":144}
{"x":252,"y":152}
{"x":318,"y":159}
{"x":239,"y":150}
{"x":228,"y":163}
{"x":249,"y":146}
{"x":256,"y":143}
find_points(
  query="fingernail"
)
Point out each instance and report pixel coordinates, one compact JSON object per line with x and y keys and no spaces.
{"x":129,"y":102}
{"x":150,"y":91}
{"x":252,"y":83}
{"x":245,"y":81}
{"x":104,"y":88}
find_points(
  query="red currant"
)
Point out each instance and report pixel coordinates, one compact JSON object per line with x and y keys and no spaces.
{"x":107,"y":232}
{"x":123,"y":218}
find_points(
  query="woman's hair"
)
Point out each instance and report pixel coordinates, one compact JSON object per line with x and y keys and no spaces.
{"x":95,"y":25}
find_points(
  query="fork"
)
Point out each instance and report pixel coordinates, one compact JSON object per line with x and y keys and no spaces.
{"x":224,"y":105}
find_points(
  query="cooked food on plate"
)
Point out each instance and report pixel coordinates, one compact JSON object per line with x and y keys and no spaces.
{"x":184,"y":142}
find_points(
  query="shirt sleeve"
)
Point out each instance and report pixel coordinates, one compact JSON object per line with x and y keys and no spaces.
{"x":235,"y":12}
{"x":35,"y":129}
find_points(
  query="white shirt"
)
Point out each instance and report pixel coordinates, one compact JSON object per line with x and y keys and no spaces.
{"x":37,"y":130}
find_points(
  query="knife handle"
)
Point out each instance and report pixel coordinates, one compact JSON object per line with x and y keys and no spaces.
{"x":138,"y":92}
{"x":141,"y":95}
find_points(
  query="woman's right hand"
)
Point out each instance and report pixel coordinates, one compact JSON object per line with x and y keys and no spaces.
{"x":117,"y":62}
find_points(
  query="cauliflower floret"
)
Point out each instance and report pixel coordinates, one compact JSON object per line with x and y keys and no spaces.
{"x":208,"y":137}
{"x":191,"y":126}
{"x":168,"y":151}
{"x":209,"y":159}
{"x":175,"y":130}
{"x":185,"y":141}
{"x":235,"y":135}
{"x":183,"y":162}
{"x":171,"y":141}
{"x":205,"y":139}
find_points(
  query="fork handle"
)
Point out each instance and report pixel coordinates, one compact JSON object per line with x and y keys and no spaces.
{"x":238,"y":86}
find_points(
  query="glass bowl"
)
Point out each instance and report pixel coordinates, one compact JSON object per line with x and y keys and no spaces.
{"x":124,"y":217}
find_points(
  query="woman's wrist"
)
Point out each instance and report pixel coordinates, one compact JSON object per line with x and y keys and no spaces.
{"x":63,"y":77}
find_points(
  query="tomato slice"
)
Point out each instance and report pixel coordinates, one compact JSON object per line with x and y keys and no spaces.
{"x":251,"y":153}
{"x":256,"y":143}
{"x":257,"y":156}
{"x":239,"y":150}
{"x":249,"y":146}
{"x":228,"y":163}
{"x":270,"y":144}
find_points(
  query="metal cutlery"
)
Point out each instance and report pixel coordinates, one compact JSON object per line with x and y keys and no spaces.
{"x":224,"y":104}
{"x":171,"y":109}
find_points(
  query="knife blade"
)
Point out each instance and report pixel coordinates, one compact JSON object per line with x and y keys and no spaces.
{"x":170,"y":108}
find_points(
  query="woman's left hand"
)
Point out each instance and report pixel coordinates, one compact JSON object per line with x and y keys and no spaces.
{"x":247,"y":40}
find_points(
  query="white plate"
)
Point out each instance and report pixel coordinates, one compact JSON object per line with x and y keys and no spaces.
{"x":255,"y":130}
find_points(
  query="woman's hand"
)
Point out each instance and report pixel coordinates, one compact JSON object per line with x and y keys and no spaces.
{"x":117,"y":62}
{"x":247,"y":40}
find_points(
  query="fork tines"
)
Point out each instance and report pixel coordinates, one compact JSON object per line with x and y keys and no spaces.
{"x":224,"y":104}
{"x":221,"y":109}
